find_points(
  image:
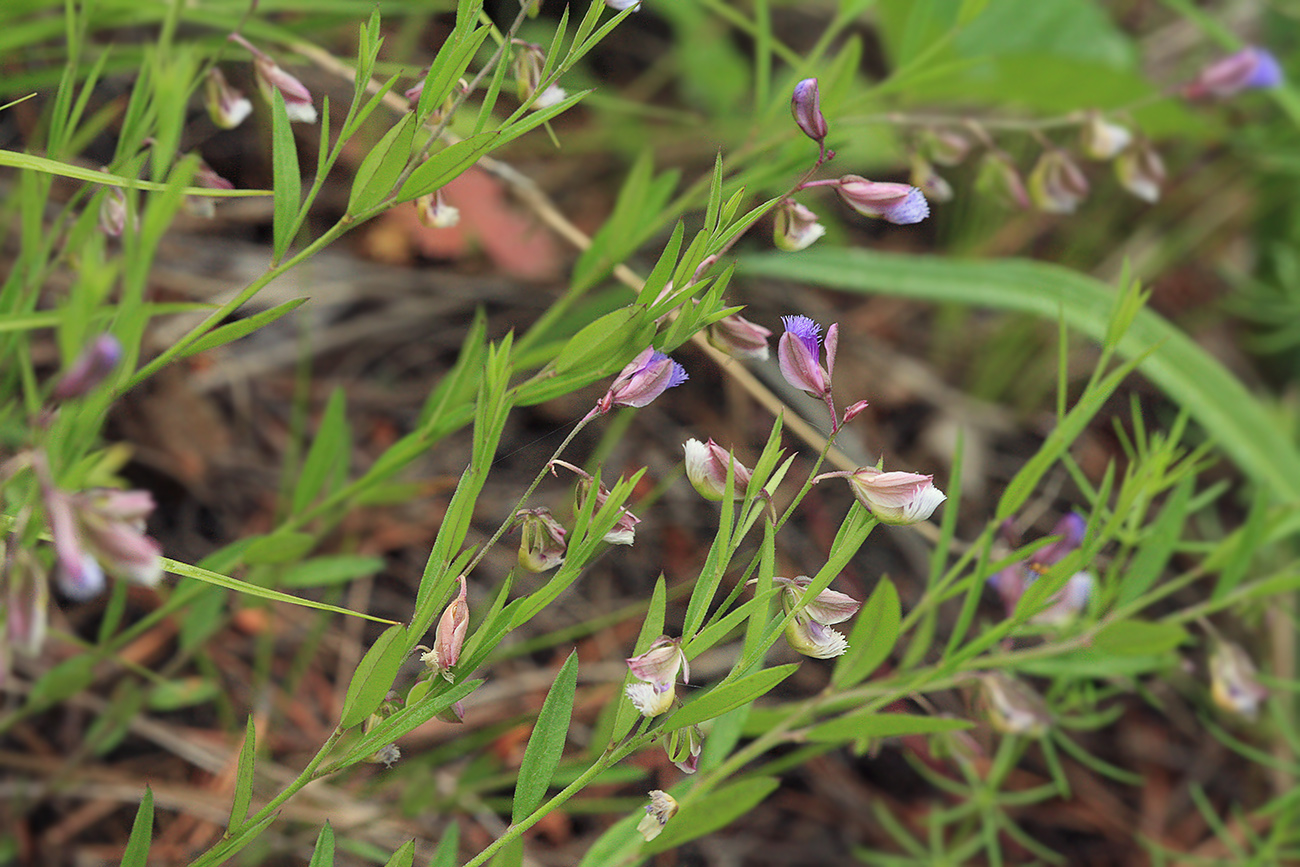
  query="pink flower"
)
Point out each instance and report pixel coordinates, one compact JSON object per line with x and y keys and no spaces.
{"x":649,"y":375}
{"x":902,"y":204}
{"x":806,"y":106}
{"x":799,"y":355}
{"x":894,"y":498}
{"x":449,"y":637}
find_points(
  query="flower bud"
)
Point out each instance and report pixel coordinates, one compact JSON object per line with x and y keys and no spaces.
{"x":528,"y":65}
{"x":895,"y":203}
{"x":386,"y":756}
{"x":947,"y":147}
{"x":661,"y":808}
{"x":706,"y":467}
{"x":740,"y":338}
{"x":795,"y":227}
{"x":808,"y":631}
{"x":928,"y":181}
{"x":541,"y":540}
{"x":619,"y":6}
{"x":806,"y":106}
{"x":683,"y":747}
{"x":1100,"y":139}
{"x":895,"y":497}
{"x":453,"y":713}
{"x":270,"y":77}
{"x":1234,"y":685}
{"x":1013,"y":707}
{"x":435,"y":213}
{"x":1250,"y":68}
{"x":90,"y":368}
{"x":450,"y":635}
{"x":661,"y":662}
{"x":852,"y":411}
{"x":1056,"y":184}
{"x":25,"y":602}
{"x":998,"y":178}
{"x":651,"y":699}
{"x":78,"y":574}
{"x":227,"y":106}
{"x":208,"y":179}
{"x":799,"y":355}
{"x":648,"y":375}
{"x":114,"y":213}
{"x":1141,"y":171}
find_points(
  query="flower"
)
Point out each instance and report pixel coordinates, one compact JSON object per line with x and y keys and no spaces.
{"x":929,"y":181}
{"x":270,"y":78}
{"x":1141,"y":171}
{"x":1012,"y":581}
{"x":1100,"y":139}
{"x":795,"y":227}
{"x":656,"y":671}
{"x":646,"y":377}
{"x":624,"y":530}
{"x":529,"y":64}
{"x":997,"y":177}
{"x":902,"y":204}
{"x":114,"y":213}
{"x":1250,"y":68}
{"x":1013,"y":708}
{"x":619,"y":6}
{"x":808,"y":630}
{"x":227,"y":106}
{"x":740,"y":338}
{"x":450,"y":635}
{"x":434,"y":212}
{"x":1234,"y":685}
{"x":805,"y":105}
{"x":799,"y":355}
{"x":706,"y":467}
{"x":947,"y":147}
{"x":894,"y":497}
{"x":24,"y":603}
{"x":683,"y":747}
{"x":541,"y":540}
{"x":661,"y":808}
{"x":90,"y":368}
{"x":1056,"y":184}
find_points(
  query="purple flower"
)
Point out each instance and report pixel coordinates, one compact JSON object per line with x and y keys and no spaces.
{"x":1248,"y":69}
{"x":799,"y":354}
{"x":1012,"y":581}
{"x":902,"y":204}
{"x":94,"y":363}
{"x":806,"y":106}
{"x":649,"y":375}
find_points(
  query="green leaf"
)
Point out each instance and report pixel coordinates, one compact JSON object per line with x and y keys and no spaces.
{"x":546,"y":743}
{"x":326,"y":465}
{"x":232,"y":331}
{"x":382,"y":166}
{"x":331,"y":570}
{"x":282,"y":546}
{"x":607,"y":343}
{"x":287,"y":177}
{"x":1139,"y":638}
{"x":1159,"y":540}
{"x":13,"y":159}
{"x":728,"y":696}
{"x":65,"y":679}
{"x":404,"y":856}
{"x":1193,"y":379}
{"x":244,"y":775}
{"x":136,"y":853}
{"x":448,"y":847}
{"x":713,"y":811}
{"x":412,"y":717}
{"x":170,"y":695}
{"x":374,"y":677}
{"x":867,"y":725}
{"x":872,"y":638}
{"x":323,"y":854}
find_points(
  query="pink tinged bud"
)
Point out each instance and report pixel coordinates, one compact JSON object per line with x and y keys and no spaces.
{"x":661,"y":808}
{"x":435,"y":213}
{"x":829,"y":606}
{"x":450,"y":635}
{"x":455,"y":714}
{"x":928,"y":181}
{"x":113,"y":213}
{"x":1141,"y":171}
{"x":541,"y":540}
{"x":1248,"y":69}
{"x":999,"y":178}
{"x":683,"y":748}
{"x":1234,"y":684}
{"x":895,"y":203}
{"x":661,"y":662}
{"x":270,"y":77}
{"x":854,"y":410}
{"x":651,"y":699}
{"x":799,"y":355}
{"x":1013,"y":707}
{"x":79,"y":576}
{"x":1100,"y":139}
{"x":227,"y":106}
{"x":795,"y":227}
{"x":896,"y":498}
{"x":706,"y":467}
{"x":947,"y":147}
{"x":111,"y":526}
{"x":624,"y":530}
{"x":649,"y":375}
{"x":806,"y":106}
{"x":90,"y":368}
{"x":26,"y":601}
{"x":740,"y":338}
{"x":205,"y":177}
{"x":1057,"y":184}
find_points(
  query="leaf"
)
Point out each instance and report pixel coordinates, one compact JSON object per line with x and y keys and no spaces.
{"x":176,"y":567}
{"x":546,"y":743}
{"x":323,"y":854}
{"x":448,"y":847}
{"x":13,"y":159}
{"x":867,"y":725}
{"x":713,"y":811}
{"x":244,"y":774}
{"x":1193,"y":379}
{"x":373,"y":677}
{"x":331,"y":570}
{"x":608,"y":342}
{"x":728,"y":696}
{"x":872,"y":638}
{"x":404,"y":856}
{"x":382,"y":166}
{"x":1139,"y":638}
{"x":287,"y":178}
{"x":327,"y":459}
{"x":170,"y":695}
{"x":232,"y":331}
{"x":136,"y":853}
{"x":1159,"y":540}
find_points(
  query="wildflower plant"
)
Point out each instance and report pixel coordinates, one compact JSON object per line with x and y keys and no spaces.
{"x":985,"y":662}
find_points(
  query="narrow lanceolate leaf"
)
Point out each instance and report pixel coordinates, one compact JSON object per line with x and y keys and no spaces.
{"x":137,"y":845}
{"x":287,"y":197}
{"x":728,"y":696}
{"x":323,"y":854}
{"x":216,"y":578}
{"x":448,"y":847}
{"x":874,"y":634}
{"x":546,"y":744}
{"x":382,"y":166}
{"x":869,"y":724}
{"x":374,"y":676}
{"x":404,"y":856}
{"x":244,"y":778}
{"x":232,"y":331}
{"x":327,"y":459}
